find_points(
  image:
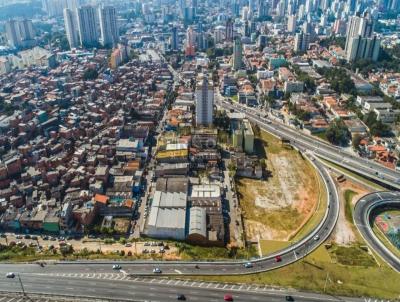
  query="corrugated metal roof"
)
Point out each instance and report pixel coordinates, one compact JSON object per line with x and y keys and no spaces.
{"x":198,"y":221}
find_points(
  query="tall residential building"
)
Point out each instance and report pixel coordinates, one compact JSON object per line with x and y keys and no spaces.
{"x":55,"y":8}
{"x":12,"y":33}
{"x":87,"y":25}
{"x":361,"y":42}
{"x":71,"y":28}
{"x":252,"y":6}
{"x":339,"y":27}
{"x":174,"y":38}
{"x":229,"y":30}
{"x":262,"y":8}
{"x":190,"y":49}
{"x":108,"y":26}
{"x":291,"y":25}
{"x":204,"y":101}
{"x":237,"y":55}
{"x":301,"y":41}
{"x":20,"y":32}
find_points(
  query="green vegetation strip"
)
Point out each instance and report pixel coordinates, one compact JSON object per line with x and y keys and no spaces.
{"x":348,"y":210}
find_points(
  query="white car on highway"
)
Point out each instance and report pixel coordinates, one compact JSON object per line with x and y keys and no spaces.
{"x":157,"y":270}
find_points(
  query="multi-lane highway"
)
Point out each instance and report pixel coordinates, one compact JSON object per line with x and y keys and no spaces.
{"x":102,"y":282}
{"x":363,"y":220}
{"x":322,"y":149}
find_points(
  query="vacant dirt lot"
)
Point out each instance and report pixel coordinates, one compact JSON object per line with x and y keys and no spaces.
{"x":279,"y":206}
{"x":345,"y":232}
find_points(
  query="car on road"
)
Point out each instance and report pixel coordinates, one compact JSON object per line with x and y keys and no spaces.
{"x":10,"y":275}
{"x":289,"y":298}
{"x":116,"y":266}
{"x":157,"y":270}
{"x":316,"y":237}
{"x":180,"y":297}
{"x":18,"y":237}
{"x":278,"y":258}
{"x":228,"y":297}
{"x":248,"y":265}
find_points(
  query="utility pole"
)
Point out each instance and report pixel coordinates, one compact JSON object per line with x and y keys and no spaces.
{"x":22,"y":286}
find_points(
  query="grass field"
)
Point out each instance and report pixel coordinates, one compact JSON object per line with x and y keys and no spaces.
{"x":271,"y":246}
{"x":353,"y":255}
{"x":192,"y":252}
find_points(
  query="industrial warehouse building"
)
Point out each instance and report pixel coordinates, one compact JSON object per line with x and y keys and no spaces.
{"x":167,"y":216}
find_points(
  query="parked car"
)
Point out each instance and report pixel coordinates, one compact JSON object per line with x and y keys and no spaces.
{"x":128,"y":244}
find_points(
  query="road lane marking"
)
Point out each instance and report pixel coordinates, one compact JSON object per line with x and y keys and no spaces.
{"x":178,"y":271}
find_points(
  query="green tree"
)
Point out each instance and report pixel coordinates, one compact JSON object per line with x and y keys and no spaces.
{"x":338,"y":133}
{"x":356,"y":141}
{"x":376,"y":127}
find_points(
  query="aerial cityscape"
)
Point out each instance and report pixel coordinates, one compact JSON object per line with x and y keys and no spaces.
{"x":198,"y":150}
